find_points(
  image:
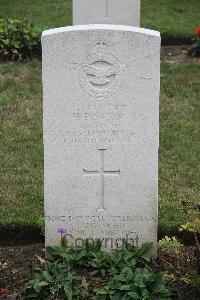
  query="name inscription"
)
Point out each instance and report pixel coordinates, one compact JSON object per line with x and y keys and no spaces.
{"x":100,"y":124}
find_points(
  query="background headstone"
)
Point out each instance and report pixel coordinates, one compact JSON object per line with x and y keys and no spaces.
{"x":101,"y":124}
{"x":122,"y":12}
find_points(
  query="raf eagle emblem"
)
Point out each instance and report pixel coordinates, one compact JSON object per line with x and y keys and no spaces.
{"x":100,"y":76}
{"x":101,"y":73}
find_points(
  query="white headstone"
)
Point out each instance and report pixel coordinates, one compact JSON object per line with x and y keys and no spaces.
{"x":101,"y":124}
{"x":122,"y":12}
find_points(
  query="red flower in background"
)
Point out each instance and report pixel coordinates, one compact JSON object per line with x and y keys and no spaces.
{"x":197,"y":31}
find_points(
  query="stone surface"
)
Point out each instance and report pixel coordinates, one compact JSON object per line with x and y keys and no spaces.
{"x":121,"y":12}
{"x":101,"y":133}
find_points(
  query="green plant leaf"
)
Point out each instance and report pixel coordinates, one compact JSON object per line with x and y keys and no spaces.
{"x":68,"y":292}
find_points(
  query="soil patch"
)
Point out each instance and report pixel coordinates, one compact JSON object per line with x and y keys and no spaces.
{"x":17,"y":264}
{"x":176,"y":54}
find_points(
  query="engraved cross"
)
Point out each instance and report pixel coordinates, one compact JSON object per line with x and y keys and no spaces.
{"x":107,"y":9}
{"x":102,"y":174}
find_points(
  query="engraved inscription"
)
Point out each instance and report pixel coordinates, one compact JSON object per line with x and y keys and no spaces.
{"x":122,"y":219}
{"x":102,"y":125}
{"x":102,"y":174}
{"x":101,"y":73}
{"x":97,"y":136}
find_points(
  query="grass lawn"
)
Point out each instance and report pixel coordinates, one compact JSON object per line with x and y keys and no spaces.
{"x":173,"y":18}
{"x":21,"y":164}
{"x":21,"y":168}
{"x":179,"y":143}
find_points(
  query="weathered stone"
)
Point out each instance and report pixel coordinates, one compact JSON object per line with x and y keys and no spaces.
{"x":101,"y":124}
{"x":121,"y":12}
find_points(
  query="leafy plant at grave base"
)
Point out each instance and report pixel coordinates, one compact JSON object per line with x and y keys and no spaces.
{"x":194,"y":50}
{"x":41,"y":225}
{"x":134,"y":284}
{"x":19,"y":39}
{"x":124,"y":274}
{"x":80,"y":256}
{"x":193,"y":226}
{"x":169,"y":244}
{"x":55,"y":281}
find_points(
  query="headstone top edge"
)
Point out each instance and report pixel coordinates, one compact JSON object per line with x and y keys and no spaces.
{"x":100,"y":27}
